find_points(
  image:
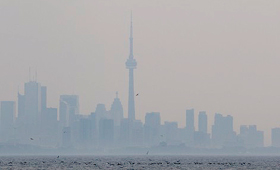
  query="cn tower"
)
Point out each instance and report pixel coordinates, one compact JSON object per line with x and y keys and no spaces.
{"x":131,"y":65}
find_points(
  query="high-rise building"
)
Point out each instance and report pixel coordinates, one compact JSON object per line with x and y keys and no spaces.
{"x":85,"y":134}
{"x":33,"y":108}
{"x":131,"y":65}
{"x":171,"y":132}
{"x":251,"y":137}
{"x":275,"y":137}
{"x":30,"y":111}
{"x":8,"y":110}
{"x":68,"y":109}
{"x":222,"y":130}
{"x":202,"y":122}
{"x":43,"y":98}
{"x":201,"y":137}
{"x":117,"y":111}
{"x":190,"y":120}
{"x":190,"y":127}
{"x":137,"y":134}
{"x":152,"y":128}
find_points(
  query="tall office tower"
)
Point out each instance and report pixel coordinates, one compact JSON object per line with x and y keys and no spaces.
{"x":189,"y":127}
{"x":131,"y":65}
{"x":152,"y":128}
{"x":190,"y":120}
{"x":201,"y":137}
{"x":68,"y":109}
{"x":222,"y":130}
{"x":68,"y":117}
{"x":44,"y":98}
{"x":171,"y":133}
{"x":250,"y":136}
{"x":202,"y":122}
{"x":95,"y":117}
{"x":30,"y":111}
{"x":33,"y":109}
{"x":117,"y":111}
{"x":8,"y":110}
{"x":21,"y":109}
{"x":275,"y":137}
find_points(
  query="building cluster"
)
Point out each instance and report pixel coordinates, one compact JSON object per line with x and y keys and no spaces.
{"x":34,"y":123}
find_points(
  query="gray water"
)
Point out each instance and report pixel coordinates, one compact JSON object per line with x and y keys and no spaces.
{"x":140,"y":162}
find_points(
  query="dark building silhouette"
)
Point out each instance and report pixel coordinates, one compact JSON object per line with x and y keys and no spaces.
{"x":202,"y":122}
{"x":68,"y":108}
{"x":152,"y":128}
{"x":171,"y":133}
{"x":30,"y":111}
{"x":251,"y":137}
{"x":8,"y":111}
{"x":85,"y":134}
{"x":222,"y":131}
{"x":68,"y":119}
{"x":201,"y":137}
{"x":275,"y":137}
{"x":117,"y":111}
{"x":137,"y":134}
{"x":190,"y":127}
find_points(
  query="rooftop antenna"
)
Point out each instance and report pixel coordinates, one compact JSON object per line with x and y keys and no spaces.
{"x":117,"y":94}
{"x":29,"y":74}
{"x":36,"y":75}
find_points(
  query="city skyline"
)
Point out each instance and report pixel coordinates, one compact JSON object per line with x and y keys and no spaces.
{"x":194,"y":57}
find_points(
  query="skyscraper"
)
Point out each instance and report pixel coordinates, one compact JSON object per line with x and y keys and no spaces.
{"x":202,"y":122}
{"x":33,"y":109}
{"x":190,"y":120}
{"x":275,"y":137}
{"x":117,"y":111}
{"x":30,"y":108}
{"x":222,"y":130}
{"x":250,"y":136}
{"x":190,"y":127}
{"x":8,"y":110}
{"x":152,"y":128}
{"x":131,"y":65}
{"x":68,"y":108}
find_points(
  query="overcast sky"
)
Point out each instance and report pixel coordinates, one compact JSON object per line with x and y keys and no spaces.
{"x":218,"y":56}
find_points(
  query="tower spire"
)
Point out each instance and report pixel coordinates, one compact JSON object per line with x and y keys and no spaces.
{"x":131,"y":37}
{"x":131,"y":65}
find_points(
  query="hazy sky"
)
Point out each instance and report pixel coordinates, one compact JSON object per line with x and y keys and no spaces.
{"x":218,"y":56}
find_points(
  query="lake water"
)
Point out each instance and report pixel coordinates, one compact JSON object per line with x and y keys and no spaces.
{"x":140,"y":162}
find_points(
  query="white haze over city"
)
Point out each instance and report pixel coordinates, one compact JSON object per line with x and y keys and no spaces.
{"x":217,"y":56}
